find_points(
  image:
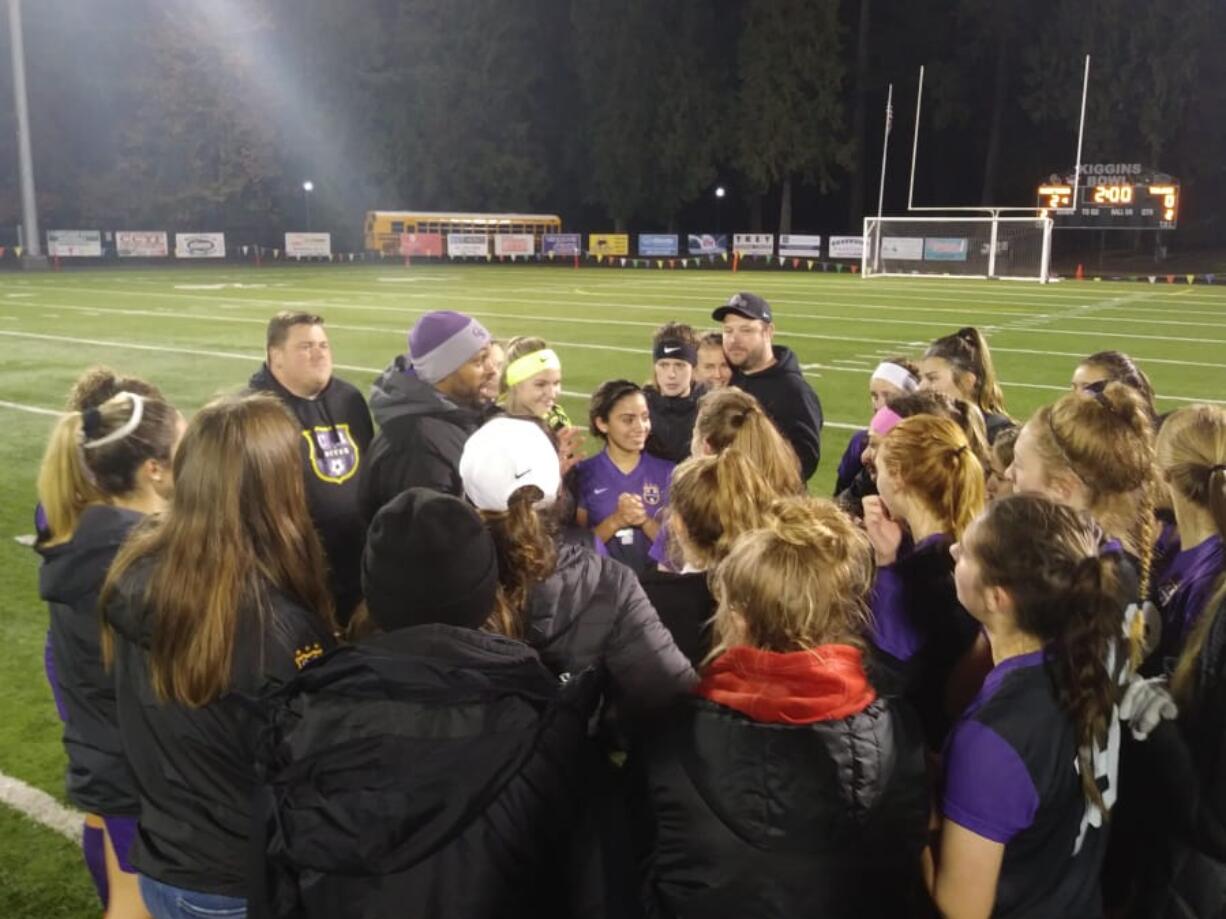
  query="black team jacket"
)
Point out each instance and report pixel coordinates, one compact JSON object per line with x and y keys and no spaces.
{"x":791,"y":403}
{"x":336,"y":435}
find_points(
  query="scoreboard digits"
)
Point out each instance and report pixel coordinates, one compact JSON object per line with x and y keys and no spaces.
{"x":1124,"y":201}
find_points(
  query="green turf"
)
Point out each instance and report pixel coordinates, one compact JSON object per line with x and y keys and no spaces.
{"x":181,"y":329}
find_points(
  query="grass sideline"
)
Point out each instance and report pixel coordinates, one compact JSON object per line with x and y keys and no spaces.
{"x":199,"y":331}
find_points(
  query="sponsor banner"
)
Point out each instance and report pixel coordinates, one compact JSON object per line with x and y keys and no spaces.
{"x":657,"y":244}
{"x":74,"y":243}
{"x":562,"y":244}
{"x":608,"y":243}
{"x":707,"y":243}
{"x":468,"y":244}
{"x":793,"y":245}
{"x":945,"y":249}
{"x":141,"y":244}
{"x":428,"y":244}
{"x":903,"y":248}
{"x":514,"y":244}
{"x":308,"y":245}
{"x":753,"y":243}
{"x":200,"y":245}
{"x":846,"y":246}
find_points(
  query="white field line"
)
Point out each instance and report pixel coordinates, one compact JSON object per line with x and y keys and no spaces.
{"x":41,"y":807}
{"x":892,"y":343}
{"x":32,"y":409}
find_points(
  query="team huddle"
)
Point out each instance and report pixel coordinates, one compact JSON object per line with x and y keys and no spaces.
{"x":446,"y":653}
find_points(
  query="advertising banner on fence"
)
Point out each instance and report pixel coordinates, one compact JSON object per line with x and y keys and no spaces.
{"x":74,"y":243}
{"x":753,"y":243}
{"x":514,"y":244}
{"x":945,"y":249}
{"x":561,"y":244}
{"x":792,"y":245}
{"x":904,"y":248}
{"x":200,"y":245}
{"x":308,"y":245}
{"x":468,"y":244}
{"x":608,"y":243}
{"x":656,"y":244}
{"x":141,"y":244}
{"x":427,"y":244}
{"x":847,"y":247}
{"x":707,"y":243}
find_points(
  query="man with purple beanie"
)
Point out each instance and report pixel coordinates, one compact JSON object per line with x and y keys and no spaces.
{"x":427,"y":403}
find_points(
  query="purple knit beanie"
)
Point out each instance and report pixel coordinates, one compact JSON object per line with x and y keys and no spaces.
{"x":443,"y":341}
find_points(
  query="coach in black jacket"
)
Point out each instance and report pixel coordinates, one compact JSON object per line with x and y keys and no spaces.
{"x":433,"y":769}
{"x":336,"y":432}
{"x":771,"y":374}
{"x":427,"y":404}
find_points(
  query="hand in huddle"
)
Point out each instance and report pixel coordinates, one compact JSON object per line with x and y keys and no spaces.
{"x":884,"y":532}
{"x":1146,"y":704}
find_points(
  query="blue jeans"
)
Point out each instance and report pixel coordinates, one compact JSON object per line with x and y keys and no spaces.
{"x":166,"y":902}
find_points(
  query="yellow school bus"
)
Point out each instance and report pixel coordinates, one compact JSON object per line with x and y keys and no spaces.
{"x":383,"y":228}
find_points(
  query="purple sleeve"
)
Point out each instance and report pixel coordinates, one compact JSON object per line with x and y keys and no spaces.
{"x":893,"y":630}
{"x":988,"y":789}
{"x":850,"y":465}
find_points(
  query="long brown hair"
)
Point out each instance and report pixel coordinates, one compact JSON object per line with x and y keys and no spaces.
{"x":717,"y":498}
{"x":798,"y":582}
{"x":75,"y":474}
{"x":1106,"y":441}
{"x":966,"y":351}
{"x":1191,"y":453}
{"x":237,"y":529}
{"x":527,"y":555}
{"x":1120,"y":368}
{"x":965,"y":415}
{"x":730,"y":417}
{"x":1045,"y":556}
{"x":933,"y":461}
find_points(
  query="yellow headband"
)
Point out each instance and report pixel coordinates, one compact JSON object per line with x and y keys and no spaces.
{"x":522,"y":368}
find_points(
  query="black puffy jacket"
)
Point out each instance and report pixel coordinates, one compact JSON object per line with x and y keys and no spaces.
{"x":71,"y":577}
{"x":672,"y":422}
{"x":430,"y":771}
{"x":592,"y":612}
{"x":825,"y":819}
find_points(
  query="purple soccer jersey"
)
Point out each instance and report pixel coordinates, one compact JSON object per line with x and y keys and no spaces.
{"x":894,"y":630}
{"x":1182,"y":589}
{"x":600,"y":483}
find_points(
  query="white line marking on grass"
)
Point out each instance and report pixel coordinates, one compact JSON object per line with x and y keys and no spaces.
{"x":32,"y":409}
{"x":41,"y":807}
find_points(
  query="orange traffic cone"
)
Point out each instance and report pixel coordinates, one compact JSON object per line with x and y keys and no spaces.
{"x":1081,"y":272}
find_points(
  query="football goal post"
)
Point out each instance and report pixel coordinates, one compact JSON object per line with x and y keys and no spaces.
{"x":1013,"y":248}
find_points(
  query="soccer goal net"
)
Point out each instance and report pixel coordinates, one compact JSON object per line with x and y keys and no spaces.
{"x":1015,"y":248}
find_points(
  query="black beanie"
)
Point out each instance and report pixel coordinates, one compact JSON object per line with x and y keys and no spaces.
{"x":429,"y":559}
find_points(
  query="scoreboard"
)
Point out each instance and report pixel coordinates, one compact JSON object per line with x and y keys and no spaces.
{"x":1125,"y":198}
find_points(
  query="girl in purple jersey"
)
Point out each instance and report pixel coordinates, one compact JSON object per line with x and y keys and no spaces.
{"x":622,"y":489}
{"x":1030,"y":768}
{"x":960,"y":366}
{"x":1192,"y":461}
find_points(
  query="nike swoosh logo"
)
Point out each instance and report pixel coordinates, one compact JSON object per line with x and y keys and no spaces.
{"x":671,"y":350}
{"x":599,"y":491}
{"x":520,"y":475}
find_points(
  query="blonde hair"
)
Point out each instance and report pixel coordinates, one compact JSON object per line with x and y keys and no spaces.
{"x":73,"y":474}
{"x":717,"y":498}
{"x":933,"y":461}
{"x":799,"y":582}
{"x":730,"y":417}
{"x":1191,"y":453}
{"x":237,"y":528}
{"x":1106,"y":441}
{"x":516,"y":348}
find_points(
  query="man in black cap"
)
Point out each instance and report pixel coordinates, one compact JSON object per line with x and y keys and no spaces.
{"x":451,"y":759}
{"x":771,"y":374}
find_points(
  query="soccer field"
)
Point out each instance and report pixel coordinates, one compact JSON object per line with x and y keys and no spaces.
{"x":197,"y":332}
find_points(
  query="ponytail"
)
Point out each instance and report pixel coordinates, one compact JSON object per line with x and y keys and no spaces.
{"x":65,"y":486}
{"x":933,"y":460}
{"x":730,"y":417}
{"x":1079,"y":655}
{"x":717,"y":498}
{"x":967,"y":352}
{"x":526,"y":557}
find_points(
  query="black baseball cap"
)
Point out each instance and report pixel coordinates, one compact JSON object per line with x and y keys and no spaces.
{"x":751,"y":306}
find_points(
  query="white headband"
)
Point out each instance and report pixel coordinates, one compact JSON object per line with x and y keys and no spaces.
{"x":896,"y":375}
{"x":138,"y":411}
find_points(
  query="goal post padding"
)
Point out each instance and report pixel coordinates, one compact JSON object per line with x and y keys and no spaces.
{"x":1017,"y":248}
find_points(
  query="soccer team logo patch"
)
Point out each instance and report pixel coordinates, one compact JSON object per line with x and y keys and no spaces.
{"x":334,"y":455}
{"x":651,"y":494}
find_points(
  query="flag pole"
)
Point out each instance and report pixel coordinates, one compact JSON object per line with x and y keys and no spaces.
{"x":885,"y":148}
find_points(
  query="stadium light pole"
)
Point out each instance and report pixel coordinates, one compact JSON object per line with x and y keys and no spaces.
{"x":719,"y":208}
{"x":32,"y":256}
{"x":307,"y":187}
